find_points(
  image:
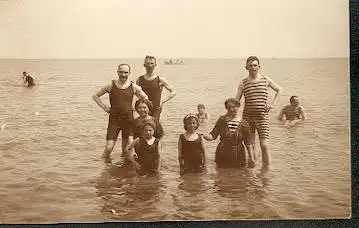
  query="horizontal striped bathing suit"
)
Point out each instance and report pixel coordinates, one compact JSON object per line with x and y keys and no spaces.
{"x":256,"y":98}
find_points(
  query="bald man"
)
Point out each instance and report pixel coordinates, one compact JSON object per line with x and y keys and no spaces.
{"x":121,"y":92}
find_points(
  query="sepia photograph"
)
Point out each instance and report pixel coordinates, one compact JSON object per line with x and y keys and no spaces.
{"x":163,"y":110}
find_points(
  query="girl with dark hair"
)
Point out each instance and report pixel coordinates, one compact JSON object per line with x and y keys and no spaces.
{"x":191,"y":152}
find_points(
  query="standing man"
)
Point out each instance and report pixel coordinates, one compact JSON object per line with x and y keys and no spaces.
{"x":256,"y":106}
{"x":121,"y":93}
{"x":152,"y":85}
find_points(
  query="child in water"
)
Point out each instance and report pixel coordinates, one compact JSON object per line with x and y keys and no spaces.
{"x":191,"y":152}
{"x":143,"y":108}
{"x":202,"y":115}
{"x":146,"y":157}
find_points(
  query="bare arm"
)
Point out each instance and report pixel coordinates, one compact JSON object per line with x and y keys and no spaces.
{"x":281,"y":114}
{"x":240,"y":90}
{"x":277,"y":89}
{"x":302,"y":113}
{"x":214,"y":133}
{"x":169,"y":88}
{"x":203,"y":151}
{"x":159,"y":159}
{"x":97,"y":97}
{"x":180,"y":158}
{"x":208,"y":137}
{"x":130,"y":149}
{"x":139,"y":92}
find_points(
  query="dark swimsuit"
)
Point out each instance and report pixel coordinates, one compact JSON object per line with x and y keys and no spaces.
{"x":148,"y":156}
{"x":192,"y":153}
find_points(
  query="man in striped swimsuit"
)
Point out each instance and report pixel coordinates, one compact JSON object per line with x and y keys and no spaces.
{"x":256,"y":106}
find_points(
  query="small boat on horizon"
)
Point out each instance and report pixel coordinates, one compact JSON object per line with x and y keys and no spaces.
{"x":174,"y":62}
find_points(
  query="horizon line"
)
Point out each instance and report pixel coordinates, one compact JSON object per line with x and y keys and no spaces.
{"x":164,"y":58}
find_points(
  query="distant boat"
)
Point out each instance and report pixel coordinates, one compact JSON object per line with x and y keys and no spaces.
{"x":174,"y":62}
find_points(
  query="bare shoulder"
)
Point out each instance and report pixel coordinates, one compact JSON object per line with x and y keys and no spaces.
{"x":162,"y":79}
{"x":106,"y":89}
{"x":269,"y":79}
{"x":243,"y":79}
{"x":138,"y":79}
{"x":286,"y":107}
{"x":136,"y":87}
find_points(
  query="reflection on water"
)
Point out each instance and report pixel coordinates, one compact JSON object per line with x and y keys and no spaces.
{"x":189,"y":198}
{"x":245,"y":190}
{"x":126,"y":196}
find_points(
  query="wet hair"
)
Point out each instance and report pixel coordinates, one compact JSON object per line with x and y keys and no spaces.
{"x":234,"y":101}
{"x":188,"y":117}
{"x":200,"y":106}
{"x":251,"y":59}
{"x":148,"y":123}
{"x":149,"y":57}
{"x":125,"y":64}
{"x":292,"y":98}
{"x":144,"y":101}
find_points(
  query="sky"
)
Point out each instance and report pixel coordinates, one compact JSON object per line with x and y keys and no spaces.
{"x":174,"y":28}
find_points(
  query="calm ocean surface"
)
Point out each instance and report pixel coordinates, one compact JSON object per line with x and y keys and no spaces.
{"x":50,"y":149}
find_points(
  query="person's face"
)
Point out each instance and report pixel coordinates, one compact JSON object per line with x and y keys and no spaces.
{"x":142,"y":109}
{"x":24,"y":73}
{"x":200,"y":110}
{"x":295,"y":101}
{"x":148,"y":131}
{"x":191,"y":124}
{"x":150,"y":65}
{"x":232,"y":109}
{"x":253,"y":67}
{"x":123,"y":73}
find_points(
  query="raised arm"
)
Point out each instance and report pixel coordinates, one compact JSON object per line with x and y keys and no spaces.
{"x":139,"y":92}
{"x":97,"y":97}
{"x":169,"y":88}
